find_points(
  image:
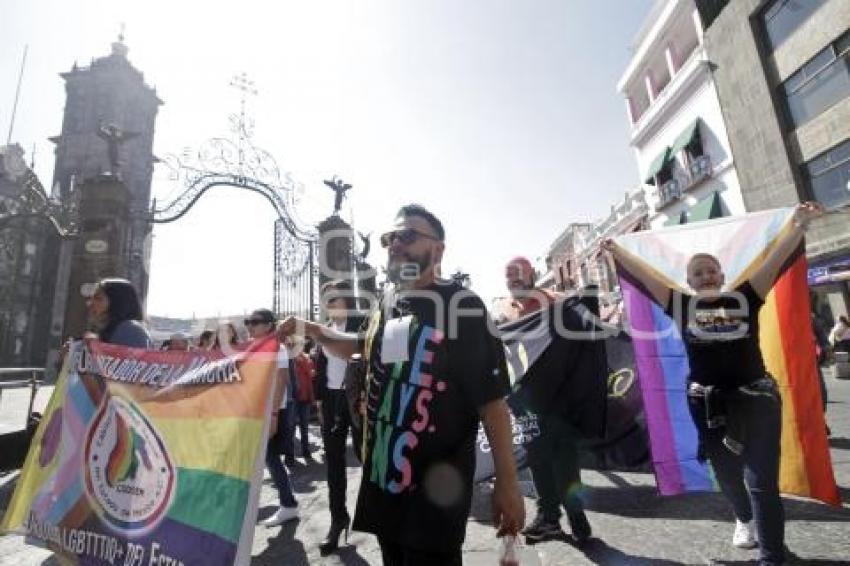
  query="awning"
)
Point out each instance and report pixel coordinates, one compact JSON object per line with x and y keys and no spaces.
{"x":706,"y":209}
{"x":685,"y":138}
{"x":657,"y":165}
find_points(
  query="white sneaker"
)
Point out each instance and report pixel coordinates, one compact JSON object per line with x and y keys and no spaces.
{"x":282,"y":515}
{"x":744,"y":537}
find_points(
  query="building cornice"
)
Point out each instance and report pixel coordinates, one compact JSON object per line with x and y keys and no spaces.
{"x":654,"y":26}
{"x":695,"y":72}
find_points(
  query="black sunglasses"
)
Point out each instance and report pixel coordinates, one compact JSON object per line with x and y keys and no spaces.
{"x":255,"y":321}
{"x":406,"y":236}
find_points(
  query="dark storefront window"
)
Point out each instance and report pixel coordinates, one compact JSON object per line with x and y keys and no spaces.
{"x":820,"y":83}
{"x":829,"y":176}
{"x":783,"y":17}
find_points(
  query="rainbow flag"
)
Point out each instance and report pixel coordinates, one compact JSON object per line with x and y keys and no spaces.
{"x":787,"y":345}
{"x":146,"y":457}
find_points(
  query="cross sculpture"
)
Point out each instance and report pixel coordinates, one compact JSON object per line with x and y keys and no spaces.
{"x":114,"y":137}
{"x":339,"y":188}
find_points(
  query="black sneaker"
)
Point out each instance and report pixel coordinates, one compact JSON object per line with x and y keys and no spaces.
{"x":579,"y":526}
{"x":542,"y":529}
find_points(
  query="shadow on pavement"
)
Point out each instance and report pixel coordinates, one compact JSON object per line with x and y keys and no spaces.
{"x":791,"y":560}
{"x":839,"y":443}
{"x":599,"y":552}
{"x":643,"y":501}
{"x":348,"y":556}
{"x":283,"y":548}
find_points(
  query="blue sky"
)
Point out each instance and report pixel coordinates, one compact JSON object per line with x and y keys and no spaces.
{"x":501,"y":116}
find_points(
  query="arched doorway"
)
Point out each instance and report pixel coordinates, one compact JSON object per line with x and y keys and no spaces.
{"x":238,"y":163}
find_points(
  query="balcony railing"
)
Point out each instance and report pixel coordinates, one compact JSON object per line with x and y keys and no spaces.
{"x":668,"y":192}
{"x":700,"y":169}
{"x":672,"y":190}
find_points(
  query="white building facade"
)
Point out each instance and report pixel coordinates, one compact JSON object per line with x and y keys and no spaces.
{"x":677,"y":129}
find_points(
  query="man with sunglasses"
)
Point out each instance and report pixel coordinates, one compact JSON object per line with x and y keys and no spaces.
{"x":434,"y":371}
{"x":260,"y":324}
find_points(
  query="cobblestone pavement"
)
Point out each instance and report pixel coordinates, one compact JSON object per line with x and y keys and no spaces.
{"x":632,"y":525}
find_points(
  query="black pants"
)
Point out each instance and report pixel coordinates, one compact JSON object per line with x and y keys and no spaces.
{"x":336,"y":422}
{"x":302,"y":423}
{"x":393,"y":554}
{"x":286,"y":431}
{"x":553,"y":459}
{"x":750,"y":481}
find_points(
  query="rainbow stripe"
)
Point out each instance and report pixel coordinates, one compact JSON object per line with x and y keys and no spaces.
{"x":787,"y":345}
{"x":789,"y":354}
{"x":662,"y":366}
{"x":202,"y":445}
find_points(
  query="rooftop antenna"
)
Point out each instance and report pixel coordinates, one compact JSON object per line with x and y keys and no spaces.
{"x":17,"y":95}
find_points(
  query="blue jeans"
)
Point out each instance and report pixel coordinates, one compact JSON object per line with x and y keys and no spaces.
{"x":279,"y":475}
{"x":750,"y":481}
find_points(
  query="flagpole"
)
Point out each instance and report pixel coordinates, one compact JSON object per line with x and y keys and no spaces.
{"x":17,"y":95}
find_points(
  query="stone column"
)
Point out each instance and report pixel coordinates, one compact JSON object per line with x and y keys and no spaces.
{"x":335,"y":253}
{"x":101,"y":249}
{"x":338,"y":261}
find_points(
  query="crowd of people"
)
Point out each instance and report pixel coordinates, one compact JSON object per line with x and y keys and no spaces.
{"x":426,"y":387}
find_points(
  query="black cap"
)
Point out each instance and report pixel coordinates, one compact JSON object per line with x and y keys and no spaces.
{"x":264,"y":314}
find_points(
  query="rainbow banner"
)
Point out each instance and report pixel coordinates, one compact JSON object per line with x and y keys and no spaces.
{"x":146,"y":457}
{"x":787,"y":345}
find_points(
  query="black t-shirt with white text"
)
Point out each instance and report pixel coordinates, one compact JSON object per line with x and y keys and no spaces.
{"x":422,"y":415}
{"x":721,"y":336}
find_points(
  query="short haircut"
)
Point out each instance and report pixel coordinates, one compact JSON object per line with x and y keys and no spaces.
{"x":703,"y":255}
{"x":338,"y":289}
{"x":425,"y":214}
{"x":265,"y":315}
{"x":339,"y":285}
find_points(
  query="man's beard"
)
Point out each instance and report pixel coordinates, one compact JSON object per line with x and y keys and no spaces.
{"x":521,"y":291}
{"x":407,"y":268}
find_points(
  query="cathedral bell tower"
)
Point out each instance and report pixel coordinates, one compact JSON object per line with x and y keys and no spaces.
{"x":108,"y":129}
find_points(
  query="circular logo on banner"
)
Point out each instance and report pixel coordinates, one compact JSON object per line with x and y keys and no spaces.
{"x":129,"y":475}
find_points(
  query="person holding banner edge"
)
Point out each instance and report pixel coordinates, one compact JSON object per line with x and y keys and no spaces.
{"x":261,"y":323}
{"x":416,"y":496}
{"x":553,"y":455}
{"x":733,"y":401}
{"x":333,"y":408}
{"x":115,"y":312}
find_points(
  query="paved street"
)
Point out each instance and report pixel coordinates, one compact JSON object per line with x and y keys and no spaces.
{"x":632,"y":525}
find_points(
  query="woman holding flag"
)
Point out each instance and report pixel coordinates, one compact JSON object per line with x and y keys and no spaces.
{"x":734,"y":402}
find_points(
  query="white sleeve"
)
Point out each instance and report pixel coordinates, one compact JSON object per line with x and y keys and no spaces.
{"x":282,"y":358}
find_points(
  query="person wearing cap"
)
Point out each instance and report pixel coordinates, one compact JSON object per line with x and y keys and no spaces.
{"x":434,"y":371}
{"x":553,"y":455}
{"x":262,"y":323}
